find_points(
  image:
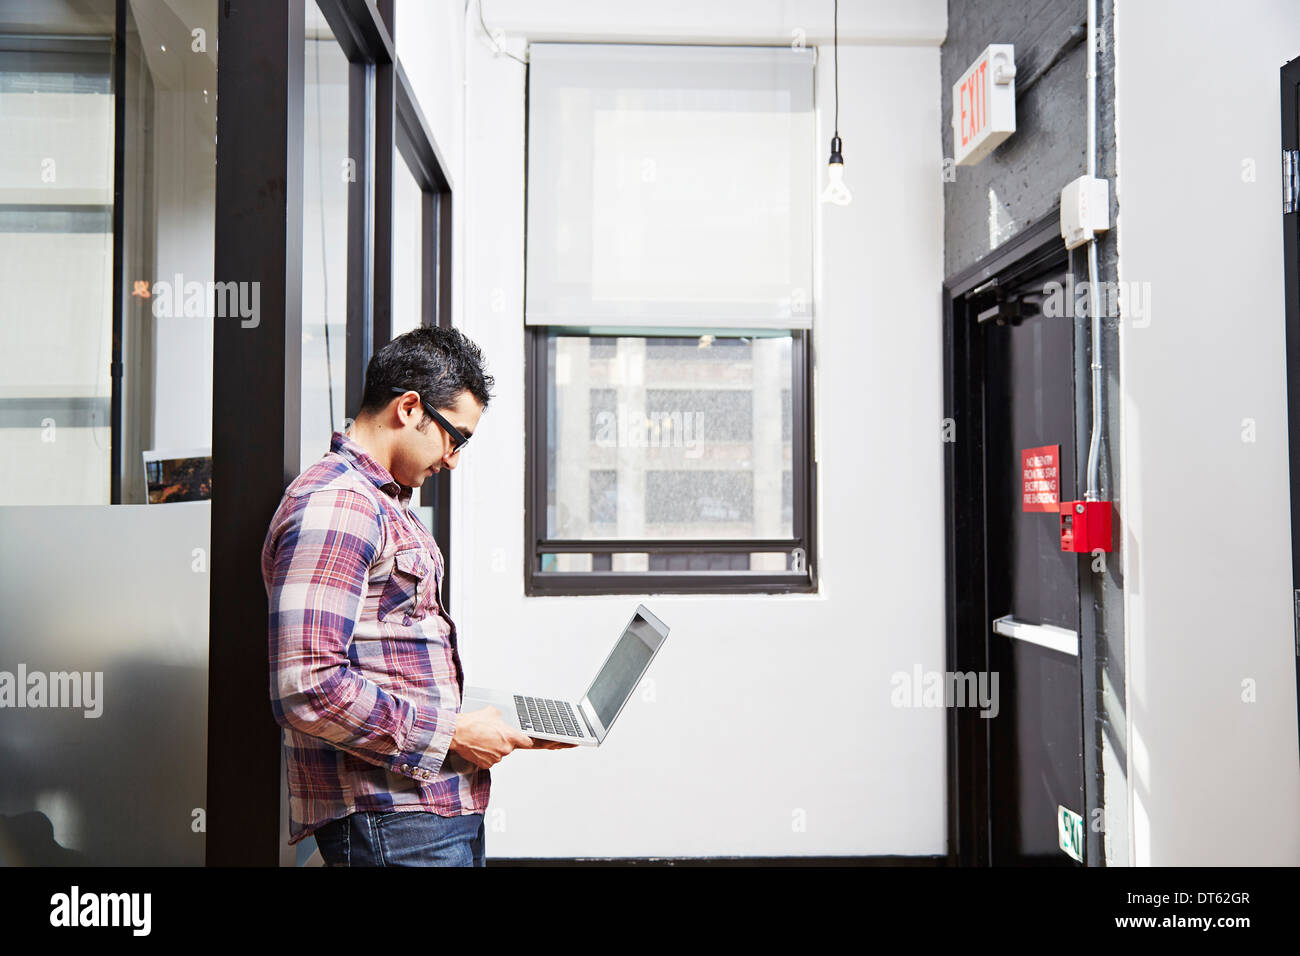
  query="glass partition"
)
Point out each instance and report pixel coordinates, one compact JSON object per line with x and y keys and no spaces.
{"x":106,"y":363}
{"x":103,"y":684}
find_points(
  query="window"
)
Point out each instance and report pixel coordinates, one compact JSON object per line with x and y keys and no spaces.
{"x":668,"y":455}
{"x":668,"y":316}
{"x":667,"y":462}
{"x":668,"y":319}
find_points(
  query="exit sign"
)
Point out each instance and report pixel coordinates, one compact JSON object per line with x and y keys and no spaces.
{"x":984,"y":104}
{"x":1069,"y":831}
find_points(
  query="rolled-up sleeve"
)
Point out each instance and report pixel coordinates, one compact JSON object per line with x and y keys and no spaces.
{"x":319,"y":552}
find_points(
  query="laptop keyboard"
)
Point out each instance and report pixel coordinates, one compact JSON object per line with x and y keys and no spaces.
{"x":541,"y":715}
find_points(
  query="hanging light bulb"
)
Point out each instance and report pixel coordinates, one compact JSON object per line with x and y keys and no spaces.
{"x":836,"y":191}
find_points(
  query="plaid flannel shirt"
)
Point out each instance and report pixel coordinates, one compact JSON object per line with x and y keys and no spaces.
{"x":365,"y":680}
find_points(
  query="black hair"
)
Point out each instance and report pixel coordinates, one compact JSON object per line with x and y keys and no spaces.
{"x":437,"y":363}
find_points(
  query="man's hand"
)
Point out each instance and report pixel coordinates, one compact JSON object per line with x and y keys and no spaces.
{"x":483,"y":738}
{"x":538,"y":744}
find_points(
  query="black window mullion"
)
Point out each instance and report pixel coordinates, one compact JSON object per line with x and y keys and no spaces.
{"x":385,"y":153}
{"x":445,"y":208}
{"x":575,"y":583}
{"x":428,"y":258}
{"x":803,"y":460}
{"x":662,"y":545}
{"x":534,"y":385}
{"x":361,"y":83}
{"x":115,"y":371}
{"x":388,"y":15}
{"x":798,"y":436}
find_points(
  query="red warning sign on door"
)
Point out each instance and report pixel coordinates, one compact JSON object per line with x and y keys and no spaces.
{"x":1040,"y":470}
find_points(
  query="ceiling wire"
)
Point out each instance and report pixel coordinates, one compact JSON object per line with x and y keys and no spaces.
{"x":837,"y":67}
{"x":488,"y":33}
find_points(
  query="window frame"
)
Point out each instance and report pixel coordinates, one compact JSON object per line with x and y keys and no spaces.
{"x":257,"y":370}
{"x":803,"y":476}
{"x":386,"y":125}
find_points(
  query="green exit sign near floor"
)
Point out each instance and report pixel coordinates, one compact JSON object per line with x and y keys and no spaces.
{"x":1069,"y":827}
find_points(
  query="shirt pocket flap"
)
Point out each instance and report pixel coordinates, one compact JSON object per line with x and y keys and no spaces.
{"x":406,"y":589}
{"x":413,"y":562}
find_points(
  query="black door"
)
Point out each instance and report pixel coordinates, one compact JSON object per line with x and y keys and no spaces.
{"x":1035,"y":740}
{"x":1015,"y":771}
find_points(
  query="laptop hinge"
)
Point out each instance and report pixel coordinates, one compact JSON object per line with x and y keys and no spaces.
{"x":582,"y":712}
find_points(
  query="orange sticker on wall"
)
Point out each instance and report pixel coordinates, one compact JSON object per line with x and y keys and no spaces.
{"x":1040,"y":470}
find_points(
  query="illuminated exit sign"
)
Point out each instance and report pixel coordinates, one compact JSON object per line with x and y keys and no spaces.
{"x":984,"y":104}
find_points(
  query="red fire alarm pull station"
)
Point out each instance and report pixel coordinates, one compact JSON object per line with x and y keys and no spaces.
{"x":1085,"y":526}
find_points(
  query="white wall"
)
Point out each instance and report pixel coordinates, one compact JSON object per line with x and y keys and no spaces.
{"x":1213,"y":779}
{"x":700,"y":770}
{"x":431,"y":46}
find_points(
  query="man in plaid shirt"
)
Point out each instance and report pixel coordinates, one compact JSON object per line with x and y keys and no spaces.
{"x":366,"y":678}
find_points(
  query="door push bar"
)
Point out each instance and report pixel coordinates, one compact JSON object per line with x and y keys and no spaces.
{"x":1044,"y":635}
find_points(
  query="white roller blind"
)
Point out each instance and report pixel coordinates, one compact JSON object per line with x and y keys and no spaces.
{"x":670,"y":186}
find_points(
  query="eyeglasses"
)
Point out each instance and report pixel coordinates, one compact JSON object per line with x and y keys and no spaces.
{"x":458,"y":441}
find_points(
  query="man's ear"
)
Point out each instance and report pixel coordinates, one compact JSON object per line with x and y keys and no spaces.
{"x":398,"y":402}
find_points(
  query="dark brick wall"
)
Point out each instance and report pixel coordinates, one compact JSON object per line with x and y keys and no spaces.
{"x":1027,"y":171}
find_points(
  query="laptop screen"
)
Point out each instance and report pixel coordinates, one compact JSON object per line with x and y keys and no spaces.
{"x":623,"y":669}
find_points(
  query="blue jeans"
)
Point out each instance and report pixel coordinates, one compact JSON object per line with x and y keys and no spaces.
{"x":402,"y":838}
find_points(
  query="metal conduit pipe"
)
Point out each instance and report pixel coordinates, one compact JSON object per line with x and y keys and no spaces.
{"x":1094,"y":299}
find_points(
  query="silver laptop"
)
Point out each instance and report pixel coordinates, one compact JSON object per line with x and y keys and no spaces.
{"x":587,"y":721}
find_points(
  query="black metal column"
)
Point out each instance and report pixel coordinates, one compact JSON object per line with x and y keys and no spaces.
{"x":257,"y":369}
{"x":115,"y":369}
